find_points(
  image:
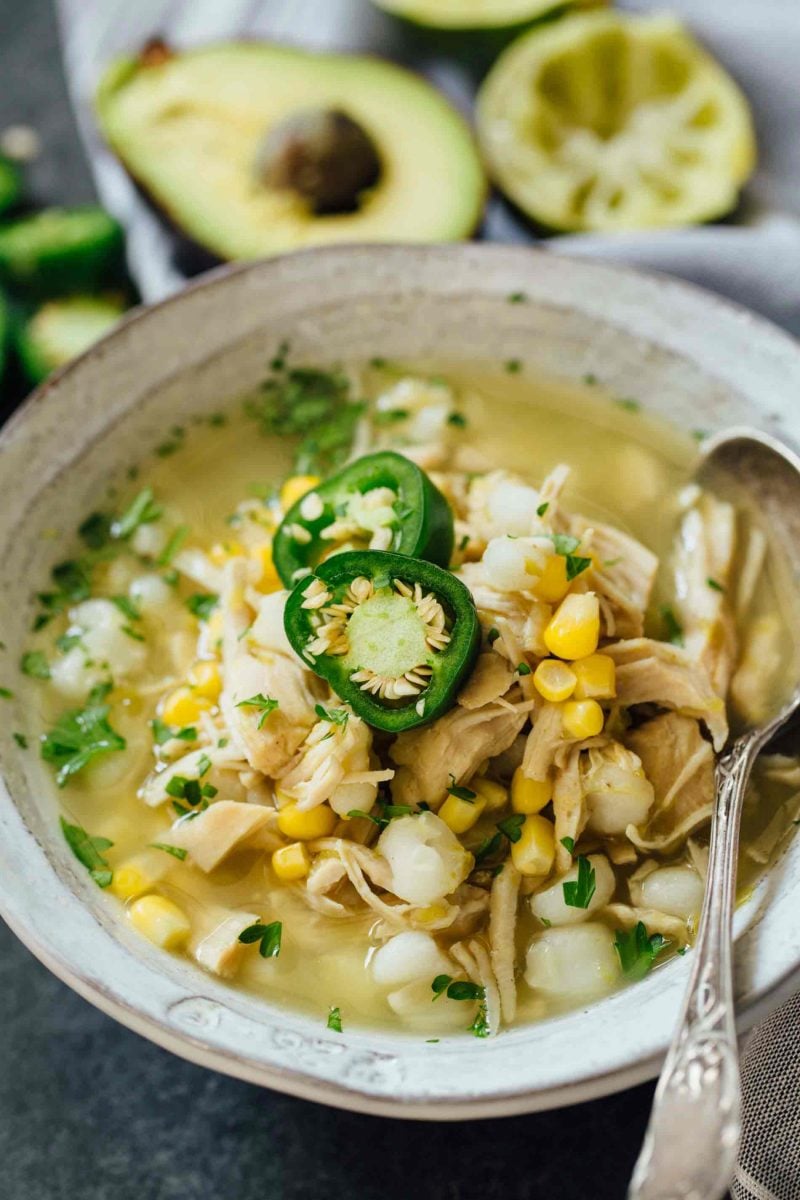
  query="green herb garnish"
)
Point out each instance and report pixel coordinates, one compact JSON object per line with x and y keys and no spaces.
{"x":461,"y":793}
{"x":89,"y":851}
{"x":674,"y":629}
{"x":440,"y":985}
{"x":142,"y":511}
{"x":458,"y":420}
{"x":523,"y":669}
{"x":516,"y":297}
{"x":95,"y":531}
{"x":628,"y":404}
{"x":715,"y":586}
{"x":335,"y":1019}
{"x":176,"y":540}
{"x":163,"y":733}
{"x":542,"y":509}
{"x":81,"y":735}
{"x":637,"y":951}
{"x":568,"y":843}
{"x":511,"y":827}
{"x":21,"y":740}
{"x":336,"y":716}
{"x":513,"y":366}
{"x":265,"y":705}
{"x":492,"y":636}
{"x":202,"y":604}
{"x":268,"y":937}
{"x":35,"y":665}
{"x":176,"y":851}
{"x":578,"y":892}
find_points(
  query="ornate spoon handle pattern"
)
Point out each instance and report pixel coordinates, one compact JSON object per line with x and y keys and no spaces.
{"x":689,"y":1151}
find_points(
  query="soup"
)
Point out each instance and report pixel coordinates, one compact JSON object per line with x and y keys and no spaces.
{"x":395,"y":694}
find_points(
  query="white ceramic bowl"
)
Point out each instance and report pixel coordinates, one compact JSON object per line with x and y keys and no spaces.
{"x":680,"y":351}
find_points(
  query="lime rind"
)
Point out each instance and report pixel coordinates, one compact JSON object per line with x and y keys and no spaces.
{"x":604,"y":121}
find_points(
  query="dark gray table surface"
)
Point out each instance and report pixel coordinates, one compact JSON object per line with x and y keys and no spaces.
{"x":89,"y":1110}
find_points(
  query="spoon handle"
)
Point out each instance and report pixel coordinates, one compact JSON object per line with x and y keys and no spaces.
{"x":690,"y":1147}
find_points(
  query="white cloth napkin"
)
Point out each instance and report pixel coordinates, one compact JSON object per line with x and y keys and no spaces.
{"x":754,"y":258}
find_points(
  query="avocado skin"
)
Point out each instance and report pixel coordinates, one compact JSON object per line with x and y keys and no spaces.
{"x":200,"y":247}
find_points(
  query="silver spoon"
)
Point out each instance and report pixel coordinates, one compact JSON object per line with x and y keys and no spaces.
{"x":692,"y":1139}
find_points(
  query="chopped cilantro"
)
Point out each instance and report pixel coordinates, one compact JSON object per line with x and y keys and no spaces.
{"x":21,"y":740}
{"x":6,"y":694}
{"x":637,"y":951}
{"x":458,"y":420}
{"x":176,"y":540}
{"x":265,"y":705}
{"x":335,"y":1019}
{"x":132,"y":633}
{"x":142,"y":511}
{"x":568,"y":843}
{"x":387,"y":813}
{"x":715,"y":586}
{"x":35,"y":664}
{"x":513,"y":366}
{"x":566,"y":545}
{"x":516,"y":297}
{"x":217,"y":420}
{"x":203,"y":765}
{"x":463,"y":989}
{"x":72,"y":585}
{"x":95,"y":531}
{"x":542,"y":509}
{"x":313,"y":405}
{"x":699,"y":435}
{"x":590,"y":379}
{"x":127,"y":607}
{"x":268,"y":937}
{"x":66,"y":641}
{"x":390,"y":416}
{"x":461,"y":793}
{"x":578,"y":892}
{"x":674,"y":629}
{"x":440,"y":985}
{"x":190,"y":790}
{"x":463,"y":542}
{"x":336,"y":716}
{"x":628,"y":404}
{"x":81,"y":735}
{"x":523,"y":669}
{"x":89,"y":851}
{"x":163,"y":733}
{"x":377,"y":363}
{"x":202,"y":604}
{"x":511,"y":827}
{"x":492,"y":636}
{"x":480,"y":1026}
{"x":176,"y":851}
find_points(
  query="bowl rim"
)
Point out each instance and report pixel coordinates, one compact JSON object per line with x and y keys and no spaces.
{"x":252,"y":1068}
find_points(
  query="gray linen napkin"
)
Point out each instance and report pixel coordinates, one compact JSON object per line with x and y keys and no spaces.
{"x":753,"y":258}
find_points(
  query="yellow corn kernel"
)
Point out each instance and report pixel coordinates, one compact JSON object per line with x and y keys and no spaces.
{"x":495,"y":795}
{"x":205,"y":679}
{"x":582,"y":718}
{"x":554,"y":680}
{"x":529,"y":795}
{"x":183,"y":707}
{"x":295,"y":488}
{"x":268,"y":579}
{"x":160,"y":921}
{"x":596,"y":678}
{"x":291,"y":862}
{"x":574,"y":629}
{"x":553,"y":584}
{"x":131,"y":879}
{"x":220,"y":552}
{"x":535,"y":850}
{"x":460,"y":815}
{"x":306,"y":825}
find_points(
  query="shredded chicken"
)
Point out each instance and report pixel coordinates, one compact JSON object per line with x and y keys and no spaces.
{"x":333,"y":765}
{"x":622,"y":576}
{"x":672,"y":928}
{"x":704,"y":558}
{"x":650,"y":672}
{"x":679,"y":763}
{"x":223,"y":827}
{"x":454,"y":746}
{"x":216,"y":942}
{"x":253,"y":668}
{"x":490,"y":679}
{"x":502,"y":930}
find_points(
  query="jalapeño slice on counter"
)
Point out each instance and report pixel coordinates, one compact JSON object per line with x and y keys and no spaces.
{"x":394,"y":636}
{"x":381,"y":502}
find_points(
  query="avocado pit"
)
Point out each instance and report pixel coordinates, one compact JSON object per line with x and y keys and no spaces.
{"x":322,"y":155}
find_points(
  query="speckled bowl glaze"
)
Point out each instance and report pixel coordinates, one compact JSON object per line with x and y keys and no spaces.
{"x":682,"y":352}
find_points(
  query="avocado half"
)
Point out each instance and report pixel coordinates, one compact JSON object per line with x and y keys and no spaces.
{"x":230,"y":141}
{"x":481,"y":15}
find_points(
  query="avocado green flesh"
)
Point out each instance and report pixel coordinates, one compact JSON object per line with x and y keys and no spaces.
{"x":473,"y":14}
{"x":189,"y":130}
{"x":61,"y":330}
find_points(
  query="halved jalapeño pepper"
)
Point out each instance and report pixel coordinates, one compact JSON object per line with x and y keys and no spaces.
{"x":379,"y":502}
{"x":394,"y":636}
